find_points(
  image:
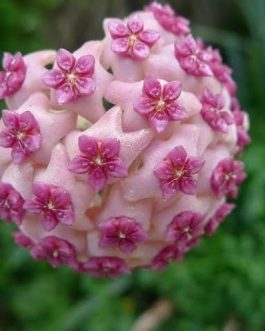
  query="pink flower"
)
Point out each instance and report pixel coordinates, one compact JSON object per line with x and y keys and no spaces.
{"x":100,"y":160}
{"x":192,"y":58}
{"x":105,"y":266}
{"x":73,"y":77}
{"x":213,"y":111}
{"x":185,"y":227}
{"x":22,"y":134}
{"x":12,"y":78}
{"x":222,"y":72}
{"x":166,"y":17}
{"x":122,"y":231}
{"x":176,"y":172}
{"x":165,"y":256}
{"x":226,"y":176}
{"x":159,"y":104}
{"x":132,"y":40}
{"x":57,"y":251}
{"x":11,"y":204}
{"x":52,"y":203}
{"x":22,"y":240}
{"x":243,"y":137}
{"x":219,"y":216}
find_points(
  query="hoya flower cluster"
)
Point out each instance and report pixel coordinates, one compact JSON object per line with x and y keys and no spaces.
{"x":125,"y":153}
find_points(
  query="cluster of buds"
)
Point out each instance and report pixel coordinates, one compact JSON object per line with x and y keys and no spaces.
{"x":124,"y":154}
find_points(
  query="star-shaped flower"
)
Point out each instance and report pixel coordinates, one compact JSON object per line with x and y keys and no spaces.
{"x":165,"y":256}
{"x":213,"y":111}
{"x":222,"y":212}
{"x":185,"y":228}
{"x":193,"y":58}
{"x":122,"y":231}
{"x":159,"y":104}
{"x":99,"y":159}
{"x":131,"y":40}
{"x":176,"y":172}
{"x":22,"y":134}
{"x":227,"y":175}
{"x":13,"y":75}
{"x":11,"y":204}
{"x":167,"y":18}
{"x":105,"y":266}
{"x":73,"y":78}
{"x":52,"y":203}
{"x":57,"y":251}
{"x":22,"y":240}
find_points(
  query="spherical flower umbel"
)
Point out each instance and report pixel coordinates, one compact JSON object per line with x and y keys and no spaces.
{"x":124,"y":154}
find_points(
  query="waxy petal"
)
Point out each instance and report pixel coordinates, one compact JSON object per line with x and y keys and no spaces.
{"x":53,"y":78}
{"x":65,"y":60}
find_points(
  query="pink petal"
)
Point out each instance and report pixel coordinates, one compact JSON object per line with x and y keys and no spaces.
{"x":188,"y":185}
{"x":42,"y":191}
{"x":32,"y":143}
{"x":140,"y":50}
{"x":65,"y":94}
{"x":85,"y":85}
{"x":6,"y":139}
{"x":97,"y":180}
{"x":18,"y":154}
{"x":176,"y":112}
{"x":194,"y":164}
{"x":152,"y":88}
{"x":177,"y":156}
{"x":53,"y":78}
{"x":85,"y":65}
{"x":144,"y":105}
{"x":79,"y":165}
{"x":159,"y":121}
{"x":169,"y":189}
{"x":65,"y":60}
{"x":88,"y":145}
{"x":164,"y":171}
{"x":27,"y":122}
{"x":65,"y":216}
{"x":49,"y":221}
{"x":11,"y":120}
{"x":117,"y":169}
{"x":171,"y":91}
{"x":120,"y":46}
{"x":110,"y":147}
{"x":135,"y":25}
{"x":117,"y":29}
{"x":149,"y":37}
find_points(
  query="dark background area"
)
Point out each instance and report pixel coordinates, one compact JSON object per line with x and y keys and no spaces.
{"x":221,"y":284}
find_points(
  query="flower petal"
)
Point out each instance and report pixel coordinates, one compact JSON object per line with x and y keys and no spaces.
{"x":79,"y":165}
{"x":171,"y":91}
{"x":176,"y":112}
{"x":53,"y":78}
{"x":49,"y":221}
{"x":117,"y":169}
{"x":11,"y":120}
{"x":159,"y":121}
{"x":6,"y":139}
{"x":118,"y":29}
{"x":65,"y":60}
{"x":110,"y":147}
{"x":152,"y":88}
{"x":85,"y":65}
{"x":188,"y":185}
{"x":85,"y":85}
{"x":144,"y":105}
{"x":88,"y":145}
{"x":120,"y":46}
{"x":135,"y":24}
{"x":149,"y":37}
{"x":97,"y":179}
{"x":27,"y":122}
{"x":140,"y":50}
{"x":65,"y":94}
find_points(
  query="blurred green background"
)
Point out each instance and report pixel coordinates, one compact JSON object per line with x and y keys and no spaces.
{"x":221,"y":284}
